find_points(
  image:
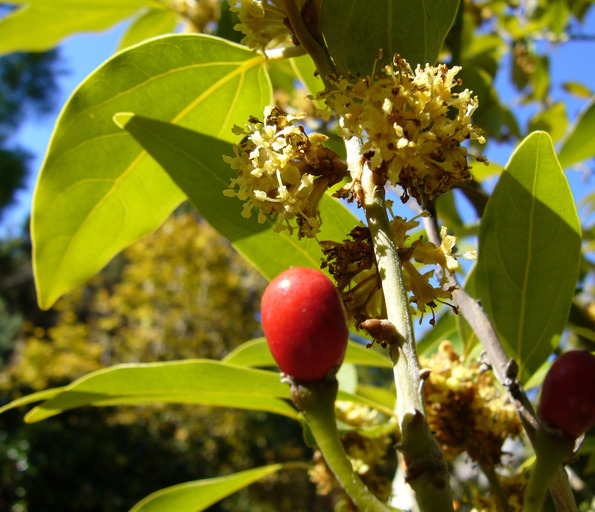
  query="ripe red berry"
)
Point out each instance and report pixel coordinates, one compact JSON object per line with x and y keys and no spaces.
{"x":304,"y":323}
{"x":568,"y":393}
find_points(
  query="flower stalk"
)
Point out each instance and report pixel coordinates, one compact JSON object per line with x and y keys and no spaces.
{"x":316,"y":402}
{"x":426,"y":468}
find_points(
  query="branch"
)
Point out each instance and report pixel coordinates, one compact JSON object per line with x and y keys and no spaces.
{"x":427,"y":472}
{"x":505,"y":370}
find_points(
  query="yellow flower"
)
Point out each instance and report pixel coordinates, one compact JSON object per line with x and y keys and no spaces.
{"x":282,"y":171}
{"x":412,"y":124}
{"x":263,"y":23}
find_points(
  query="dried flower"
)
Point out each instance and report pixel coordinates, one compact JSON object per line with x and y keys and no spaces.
{"x":282,"y":171}
{"x":353,"y":266}
{"x":412,"y":124}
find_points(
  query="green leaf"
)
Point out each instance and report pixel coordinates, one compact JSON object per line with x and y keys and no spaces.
{"x":577,"y":89}
{"x":356,"y":30}
{"x":194,"y":381}
{"x":445,"y":329}
{"x":529,"y":253}
{"x":579,"y":144}
{"x":98,"y":191}
{"x":256,"y":353}
{"x":201,"y":494}
{"x":552,"y":120}
{"x":195,"y":163}
{"x":153,"y":22}
{"x":378,"y":395}
{"x":41,"y":25}
{"x":45,"y":394}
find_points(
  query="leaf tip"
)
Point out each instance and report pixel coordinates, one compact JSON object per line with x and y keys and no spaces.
{"x":121,"y":119}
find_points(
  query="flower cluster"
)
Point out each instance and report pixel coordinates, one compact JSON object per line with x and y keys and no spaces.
{"x":353,"y":265}
{"x":283,"y":172}
{"x":466,"y":410}
{"x":263,"y":23}
{"x":412,"y":124}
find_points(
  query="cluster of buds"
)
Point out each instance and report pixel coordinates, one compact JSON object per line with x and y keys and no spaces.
{"x":283,"y":172}
{"x":466,"y":410}
{"x":412,"y":125}
{"x":263,"y":23}
{"x":353,"y":265}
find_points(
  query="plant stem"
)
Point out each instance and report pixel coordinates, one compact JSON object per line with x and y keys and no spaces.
{"x":551,"y":453}
{"x":316,"y":402}
{"x":318,"y":53}
{"x":495,"y":488}
{"x":427,"y":472}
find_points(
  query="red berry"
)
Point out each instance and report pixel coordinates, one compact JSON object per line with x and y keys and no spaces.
{"x":568,"y":393}
{"x":304,"y":323}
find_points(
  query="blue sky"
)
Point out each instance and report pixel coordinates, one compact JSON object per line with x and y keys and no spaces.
{"x":82,"y":54}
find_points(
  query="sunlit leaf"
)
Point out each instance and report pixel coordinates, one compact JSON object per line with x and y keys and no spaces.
{"x":41,"y":25}
{"x":356,"y":30}
{"x":578,"y":89}
{"x":151,"y":23}
{"x":195,"y":163}
{"x":194,"y":381}
{"x":256,"y":353}
{"x":39,"y":396}
{"x":579,"y":144}
{"x":98,"y":191}
{"x":529,"y":253}
{"x":201,"y":494}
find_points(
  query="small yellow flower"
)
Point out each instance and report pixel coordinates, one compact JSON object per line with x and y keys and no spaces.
{"x":412,"y":124}
{"x":282,"y":171}
{"x":263,"y":23}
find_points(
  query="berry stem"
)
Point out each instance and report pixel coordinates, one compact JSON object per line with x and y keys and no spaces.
{"x":316,"y":401}
{"x":426,"y":468}
{"x":551,"y":452}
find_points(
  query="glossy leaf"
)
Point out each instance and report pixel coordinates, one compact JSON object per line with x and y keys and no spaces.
{"x":39,"y":26}
{"x":356,"y":30}
{"x":191,"y":381}
{"x":201,"y":494}
{"x":579,"y":145}
{"x":152,"y":23}
{"x":98,"y":191}
{"x":194,"y":161}
{"x":529,"y":253}
{"x":256,"y":353}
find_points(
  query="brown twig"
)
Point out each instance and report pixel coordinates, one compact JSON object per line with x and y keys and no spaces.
{"x":505,"y":369}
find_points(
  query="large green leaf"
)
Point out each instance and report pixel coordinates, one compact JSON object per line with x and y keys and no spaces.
{"x":256,"y":353}
{"x":529,"y":253}
{"x":356,"y":30}
{"x":194,"y":381}
{"x":580,"y":142}
{"x":199,"y":495}
{"x":195,"y":163}
{"x":98,"y":191}
{"x":41,"y":25}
